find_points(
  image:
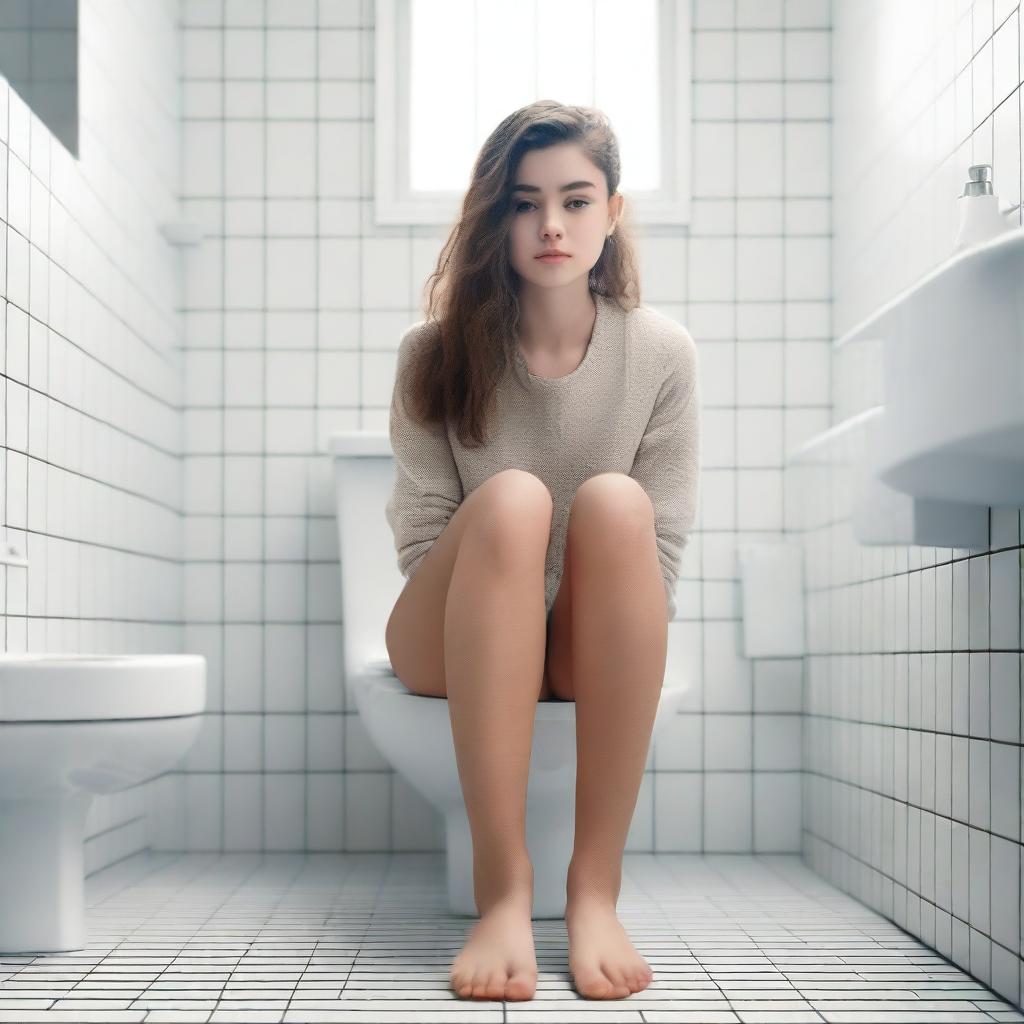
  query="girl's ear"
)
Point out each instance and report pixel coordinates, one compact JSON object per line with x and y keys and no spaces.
{"x":616,"y":210}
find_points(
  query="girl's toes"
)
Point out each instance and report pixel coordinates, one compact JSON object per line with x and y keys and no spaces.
{"x":617,"y":977}
{"x":591,"y":983}
{"x":640,"y":978}
{"x":522,"y":985}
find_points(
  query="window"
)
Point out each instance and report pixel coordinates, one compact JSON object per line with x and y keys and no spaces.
{"x":448,"y":71}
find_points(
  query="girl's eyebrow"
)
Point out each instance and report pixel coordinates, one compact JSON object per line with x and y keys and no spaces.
{"x":564,"y":188}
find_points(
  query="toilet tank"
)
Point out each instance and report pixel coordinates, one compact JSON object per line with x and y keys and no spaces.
{"x":364,"y":474}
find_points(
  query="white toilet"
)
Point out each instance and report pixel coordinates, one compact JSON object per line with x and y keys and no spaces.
{"x":414,"y":733}
{"x":72,"y":725}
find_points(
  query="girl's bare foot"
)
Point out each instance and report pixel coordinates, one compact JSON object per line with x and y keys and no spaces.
{"x":603,"y":961}
{"x":498,"y":960}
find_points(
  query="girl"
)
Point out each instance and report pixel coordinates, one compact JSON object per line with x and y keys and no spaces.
{"x":541,"y":560}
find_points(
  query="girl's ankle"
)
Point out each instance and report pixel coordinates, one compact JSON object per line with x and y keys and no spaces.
{"x":512,"y":886}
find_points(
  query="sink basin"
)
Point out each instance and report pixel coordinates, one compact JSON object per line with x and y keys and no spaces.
{"x":953,"y":357}
{"x":91,"y":687}
{"x":71,"y":726}
{"x":879,"y":514}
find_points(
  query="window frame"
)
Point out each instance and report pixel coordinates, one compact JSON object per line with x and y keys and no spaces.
{"x":394,"y":202}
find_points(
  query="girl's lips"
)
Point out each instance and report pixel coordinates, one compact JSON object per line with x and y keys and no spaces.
{"x":552,"y":259}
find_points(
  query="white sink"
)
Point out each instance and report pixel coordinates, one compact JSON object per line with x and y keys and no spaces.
{"x":71,"y":726}
{"x":879,"y":514}
{"x":953,"y":357}
{"x":76,"y":687}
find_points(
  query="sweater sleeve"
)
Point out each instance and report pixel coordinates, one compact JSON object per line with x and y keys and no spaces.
{"x":427,"y":488}
{"x":666,"y":464}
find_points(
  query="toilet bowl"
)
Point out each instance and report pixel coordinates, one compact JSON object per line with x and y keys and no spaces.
{"x":413,"y":733}
{"x":71,"y":726}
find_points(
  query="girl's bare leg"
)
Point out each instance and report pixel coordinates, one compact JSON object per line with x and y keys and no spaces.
{"x":619,"y":645}
{"x":494,"y":640}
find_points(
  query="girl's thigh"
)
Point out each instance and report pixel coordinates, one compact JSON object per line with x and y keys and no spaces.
{"x":414,"y":636}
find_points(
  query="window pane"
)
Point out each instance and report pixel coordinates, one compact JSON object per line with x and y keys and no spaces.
{"x":442,"y":143}
{"x":475,"y":61}
{"x":628,"y":61}
{"x":565,"y":51}
{"x":506,"y":68}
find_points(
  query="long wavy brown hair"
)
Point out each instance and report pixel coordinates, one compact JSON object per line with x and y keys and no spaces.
{"x":472,"y":304}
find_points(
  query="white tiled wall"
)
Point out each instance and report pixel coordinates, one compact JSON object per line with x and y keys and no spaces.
{"x":293,"y":308}
{"x":90,"y":485}
{"x":913,"y":730}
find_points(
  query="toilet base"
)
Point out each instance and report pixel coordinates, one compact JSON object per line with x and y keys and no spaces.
{"x":550,"y":831}
{"x":42,"y":873}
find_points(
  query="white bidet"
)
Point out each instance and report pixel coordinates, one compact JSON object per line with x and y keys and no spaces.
{"x":72,"y":725}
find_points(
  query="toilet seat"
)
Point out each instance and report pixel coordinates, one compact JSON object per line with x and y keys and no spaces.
{"x":100,"y":687}
{"x":384,"y":684}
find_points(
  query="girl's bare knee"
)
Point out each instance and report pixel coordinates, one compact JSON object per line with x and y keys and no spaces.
{"x":513,"y":512}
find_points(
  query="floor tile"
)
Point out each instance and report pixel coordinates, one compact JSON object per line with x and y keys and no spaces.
{"x":290,"y":938}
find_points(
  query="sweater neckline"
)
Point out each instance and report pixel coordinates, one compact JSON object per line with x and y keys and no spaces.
{"x":553,"y":383}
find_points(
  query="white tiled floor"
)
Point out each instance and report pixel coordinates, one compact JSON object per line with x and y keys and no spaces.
{"x":366,"y":937}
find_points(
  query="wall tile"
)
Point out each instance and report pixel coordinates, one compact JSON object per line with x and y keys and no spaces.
{"x":943,"y":645}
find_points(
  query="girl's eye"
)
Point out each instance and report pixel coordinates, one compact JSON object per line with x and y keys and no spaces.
{"x":525,"y":202}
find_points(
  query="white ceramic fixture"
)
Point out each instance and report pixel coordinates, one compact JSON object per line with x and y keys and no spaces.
{"x":413,"y":733}
{"x":71,"y":726}
{"x":953,"y":358}
{"x":878,"y":514}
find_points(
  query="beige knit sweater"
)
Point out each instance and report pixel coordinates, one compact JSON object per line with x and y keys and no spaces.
{"x":631,"y":406}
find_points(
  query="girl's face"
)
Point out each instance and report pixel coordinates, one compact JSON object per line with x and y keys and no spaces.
{"x":547,"y":215}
